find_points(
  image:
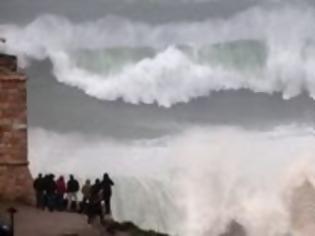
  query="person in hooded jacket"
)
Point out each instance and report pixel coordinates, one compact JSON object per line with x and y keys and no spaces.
{"x":51,"y":192}
{"x":94,"y":207}
{"x":60,"y":193}
{"x":39,"y":190}
{"x":45,"y":188}
{"x":73,"y":188}
{"x":86,"y":193}
{"x":106,"y":187}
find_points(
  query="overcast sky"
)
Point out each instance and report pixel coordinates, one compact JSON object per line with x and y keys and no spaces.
{"x":153,"y":11}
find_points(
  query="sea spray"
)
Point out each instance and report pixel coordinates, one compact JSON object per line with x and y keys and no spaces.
{"x":194,"y":183}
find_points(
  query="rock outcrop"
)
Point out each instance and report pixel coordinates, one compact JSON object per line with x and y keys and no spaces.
{"x":234,"y":229}
{"x":15,"y":178}
{"x":303,"y":209}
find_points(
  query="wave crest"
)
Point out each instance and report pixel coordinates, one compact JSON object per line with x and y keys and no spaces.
{"x":114,"y":58}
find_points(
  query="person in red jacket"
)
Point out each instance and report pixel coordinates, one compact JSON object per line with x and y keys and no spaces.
{"x":60,"y":192}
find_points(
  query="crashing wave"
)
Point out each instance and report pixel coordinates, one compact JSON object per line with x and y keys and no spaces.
{"x":114,"y":58}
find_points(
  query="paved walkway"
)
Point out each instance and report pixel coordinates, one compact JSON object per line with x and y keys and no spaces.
{"x":33,"y":222}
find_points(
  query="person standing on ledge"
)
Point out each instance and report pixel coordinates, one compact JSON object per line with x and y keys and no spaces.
{"x":51,"y":192}
{"x":39,"y":190}
{"x":94,"y":208}
{"x":73,"y":187}
{"x":61,"y":190}
{"x":106,"y":186}
{"x":86,"y":193}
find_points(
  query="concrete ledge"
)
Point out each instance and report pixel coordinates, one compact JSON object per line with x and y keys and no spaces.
{"x":14,"y":164}
{"x":12,"y":76}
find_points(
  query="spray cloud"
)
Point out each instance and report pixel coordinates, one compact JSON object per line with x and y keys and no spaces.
{"x":193,"y":183}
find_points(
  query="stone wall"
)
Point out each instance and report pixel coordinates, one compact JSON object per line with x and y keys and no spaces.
{"x":15,"y":178}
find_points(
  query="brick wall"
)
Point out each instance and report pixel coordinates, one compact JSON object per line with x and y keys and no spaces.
{"x":15,"y":178}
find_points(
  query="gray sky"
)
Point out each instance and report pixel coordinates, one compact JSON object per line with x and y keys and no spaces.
{"x":150,"y":11}
{"x":153,"y":11}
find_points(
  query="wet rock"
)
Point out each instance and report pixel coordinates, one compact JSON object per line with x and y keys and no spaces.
{"x":235,"y":229}
{"x":128,"y":229}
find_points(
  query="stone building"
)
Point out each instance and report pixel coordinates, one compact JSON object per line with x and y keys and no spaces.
{"x":15,"y":178}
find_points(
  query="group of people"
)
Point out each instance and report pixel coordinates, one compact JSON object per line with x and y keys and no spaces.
{"x":61,"y":195}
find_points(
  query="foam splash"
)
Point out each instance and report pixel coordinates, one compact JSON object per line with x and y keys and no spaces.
{"x":194,"y":183}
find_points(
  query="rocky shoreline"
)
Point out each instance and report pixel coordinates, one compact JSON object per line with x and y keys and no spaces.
{"x":130,"y":229}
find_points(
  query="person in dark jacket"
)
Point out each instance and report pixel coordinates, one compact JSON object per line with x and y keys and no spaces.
{"x":45,"y":187}
{"x":72,"y":192}
{"x":39,"y":190}
{"x":106,"y":187}
{"x":95,"y":203}
{"x":51,"y":192}
{"x":86,"y":194}
{"x":96,"y":187}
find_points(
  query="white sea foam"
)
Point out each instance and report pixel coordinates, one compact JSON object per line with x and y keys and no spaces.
{"x":179,"y":61}
{"x":193,"y":183}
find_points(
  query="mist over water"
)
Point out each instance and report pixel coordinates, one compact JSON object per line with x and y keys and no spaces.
{"x":193,"y":183}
